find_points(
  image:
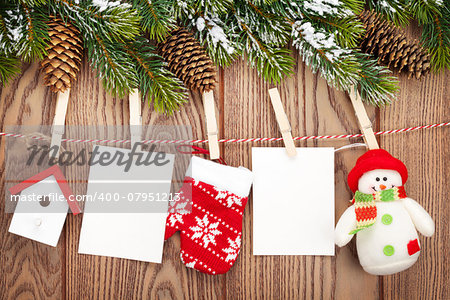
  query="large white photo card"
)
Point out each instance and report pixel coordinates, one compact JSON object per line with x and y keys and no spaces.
{"x":293,"y":201}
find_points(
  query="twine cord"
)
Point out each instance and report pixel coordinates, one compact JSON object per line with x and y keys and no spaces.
{"x":298,"y":138}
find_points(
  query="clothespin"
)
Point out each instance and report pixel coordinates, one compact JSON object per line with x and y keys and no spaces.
{"x":211,"y":124}
{"x":283,"y":122}
{"x":135,"y":117}
{"x":62,"y":100}
{"x":364,"y":122}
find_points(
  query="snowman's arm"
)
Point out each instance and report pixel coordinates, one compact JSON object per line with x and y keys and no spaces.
{"x":421,"y":219}
{"x":346,"y":223}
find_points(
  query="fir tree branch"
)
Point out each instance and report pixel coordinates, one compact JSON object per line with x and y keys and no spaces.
{"x":5,"y":42}
{"x":24,"y":32}
{"x":116,"y":23}
{"x":113,"y":65}
{"x":336,"y":17}
{"x":261,"y":2}
{"x":219,"y":39}
{"x":324,"y":32}
{"x":348,"y":30}
{"x":31,"y":3}
{"x":32,"y":45}
{"x":425,"y":11}
{"x":341,"y":67}
{"x":271,"y":60}
{"x":436,"y":37}
{"x":337,"y":65}
{"x":211,"y":6}
{"x":356,"y":6}
{"x":272,"y":63}
{"x":376,"y":85}
{"x":272,"y":29}
{"x":396,"y":11}
{"x":217,"y":34}
{"x":9,"y":67}
{"x":156,"y":17}
{"x":298,"y":9}
{"x":155,"y":81}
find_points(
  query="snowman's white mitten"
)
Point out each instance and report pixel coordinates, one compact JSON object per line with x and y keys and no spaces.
{"x":346,"y":223}
{"x":421,"y":219}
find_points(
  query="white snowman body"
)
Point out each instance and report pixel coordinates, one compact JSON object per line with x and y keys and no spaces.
{"x":391,"y":244}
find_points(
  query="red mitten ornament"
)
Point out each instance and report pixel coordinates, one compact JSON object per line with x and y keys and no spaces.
{"x":383,"y":218}
{"x":211,"y":232}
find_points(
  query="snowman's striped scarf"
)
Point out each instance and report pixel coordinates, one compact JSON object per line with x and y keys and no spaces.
{"x":365,"y":208}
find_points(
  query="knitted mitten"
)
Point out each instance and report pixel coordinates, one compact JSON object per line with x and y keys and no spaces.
{"x":215,"y":198}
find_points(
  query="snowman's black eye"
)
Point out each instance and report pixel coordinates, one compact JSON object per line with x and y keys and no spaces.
{"x":385,"y":178}
{"x":377,"y":179}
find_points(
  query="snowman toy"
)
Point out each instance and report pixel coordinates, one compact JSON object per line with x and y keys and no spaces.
{"x":383,"y":218}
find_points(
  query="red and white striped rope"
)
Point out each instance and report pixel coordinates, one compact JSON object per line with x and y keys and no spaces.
{"x":298,"y":138}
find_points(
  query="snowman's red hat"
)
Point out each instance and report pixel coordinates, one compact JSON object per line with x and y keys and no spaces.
{"x":373,"y":160}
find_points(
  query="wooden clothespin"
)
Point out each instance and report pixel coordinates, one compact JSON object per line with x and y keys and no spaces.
{"x":283,"y":122}
{"x":135,"y":117}
{"x":62,"y":100}
{"x":364,"y":122}
{"x":211,"y":124}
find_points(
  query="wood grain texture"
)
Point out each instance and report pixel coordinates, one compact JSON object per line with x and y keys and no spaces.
{"x":31,"y":270}
{"x":426,"y":154}
{"x":312,"y":109}
{"x":28,"y":269}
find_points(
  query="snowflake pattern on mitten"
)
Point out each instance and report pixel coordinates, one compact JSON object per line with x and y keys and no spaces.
{"x":233,"y":249}
{"x":205,"y":230}
{"x":211,"y":232}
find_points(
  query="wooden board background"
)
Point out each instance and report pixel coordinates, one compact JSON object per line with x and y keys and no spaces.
{"x":29,"y":270}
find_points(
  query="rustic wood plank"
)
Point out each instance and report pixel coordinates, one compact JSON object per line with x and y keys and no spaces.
{"x":29,"y":270}
{"x":312,"y":108}
{"x":425,"y":153}
{"x":32,"y":270}
{"x":177,"y":281}
{"x":96,"y":277}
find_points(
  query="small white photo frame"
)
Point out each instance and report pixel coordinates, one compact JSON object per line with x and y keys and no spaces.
{"x":293,"y":201}
{"x":109,"y":228}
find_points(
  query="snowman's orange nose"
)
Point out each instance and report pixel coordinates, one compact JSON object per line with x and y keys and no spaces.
{"x":382,"y":186}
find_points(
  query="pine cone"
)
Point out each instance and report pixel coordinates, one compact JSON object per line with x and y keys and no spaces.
{"x":64,"y":55}
{"x":188,"y":60}
{"x":390,"y":44}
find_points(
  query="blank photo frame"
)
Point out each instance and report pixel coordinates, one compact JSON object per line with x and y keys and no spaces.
{"x":115,"y":228}
{"x":293,"y":201}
